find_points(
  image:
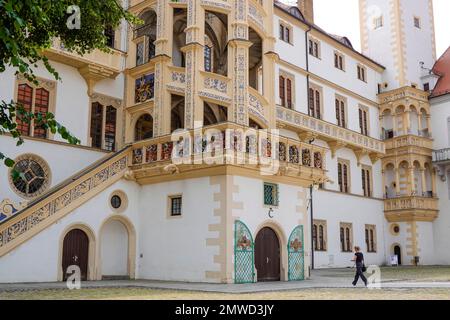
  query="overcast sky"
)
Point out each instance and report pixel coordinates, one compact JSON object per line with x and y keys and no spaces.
{"x":335,"y":18}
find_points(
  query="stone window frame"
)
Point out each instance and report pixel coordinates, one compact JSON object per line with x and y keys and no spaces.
{"x":361,"y":75}
{"x":346,"y":162}
{"x":311,"y":42}
{"x":124,"y":201}
{"x":105,"y":101}
{"x":348,"y":241}
{"x":169,"y":206}
{"x":282,"y":25}
{"x":365,"y":129}
{"x":291,"y":77}
{"x":368,"y":169}
{"x":317,"y":223}
{"x":48,"y":85}
{"x":316,"y":89}
{"x":368,"y":239}
{"x":342,"y":56}
{"x":48,"y":176}
{"x":343,"y":100}
{"x":276,"y":204}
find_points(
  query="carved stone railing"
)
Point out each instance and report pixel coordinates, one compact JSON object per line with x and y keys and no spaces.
{"x":177,"y":82}
{"x":442,"y":155}
{"x":422,"y":208}
{"x":216,"y":87}
{"x":106,"y":64}
{"x":191,"y":148}
{"x":407,"y":141}
{"x":62,"y":199}
{"x":257,"y":105}
{"x":403,"y":93}
{"x":329,"y":131}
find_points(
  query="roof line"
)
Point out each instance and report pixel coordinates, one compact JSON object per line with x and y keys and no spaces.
{"x":315,"y":27}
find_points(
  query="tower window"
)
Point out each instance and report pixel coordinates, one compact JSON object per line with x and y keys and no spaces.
{"x":417,"y":22}
{"x":285,"y":33}
{"x":426,"y":86}
{"x":339,"y":61}
{"x":314,"y":48}
{"x":378,"y":22}
{"x":362,"y":73}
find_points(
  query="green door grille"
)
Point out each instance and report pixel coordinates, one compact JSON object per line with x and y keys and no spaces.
{"x":296,"y":255}
{"x":244,"y":266}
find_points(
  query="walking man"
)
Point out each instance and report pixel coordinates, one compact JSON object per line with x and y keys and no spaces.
{"x":359,"y":261}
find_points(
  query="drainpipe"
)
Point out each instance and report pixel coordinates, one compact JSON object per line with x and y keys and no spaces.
{"x":307,"y":67}
{"x":311,"y":188}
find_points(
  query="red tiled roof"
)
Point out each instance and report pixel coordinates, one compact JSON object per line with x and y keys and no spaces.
{"x":442,"y":68}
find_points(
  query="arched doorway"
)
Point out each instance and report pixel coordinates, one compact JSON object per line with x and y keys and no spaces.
{"x":398,"y":253}
{"x":114,"y":250}
{"x":75,"y":252}
{"x":267,"y":255}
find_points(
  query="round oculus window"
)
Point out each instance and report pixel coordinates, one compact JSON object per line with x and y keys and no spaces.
{"x":33,"y":176}
{"x":116,"y":201}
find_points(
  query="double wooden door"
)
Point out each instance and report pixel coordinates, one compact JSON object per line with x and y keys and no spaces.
{"x":267,"y":255}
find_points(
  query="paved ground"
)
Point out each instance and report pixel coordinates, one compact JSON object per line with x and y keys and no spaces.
{"x":391,"y":278}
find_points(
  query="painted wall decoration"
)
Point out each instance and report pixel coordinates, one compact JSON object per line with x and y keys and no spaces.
{"x":144,"y":88}
{"x":8,"y":208}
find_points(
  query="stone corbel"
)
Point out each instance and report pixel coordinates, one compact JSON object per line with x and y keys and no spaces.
{"x":374,"y":157}
{"x":307,"y":136}
{"x":359,"y":154}
{"x":440,"y":171}
{"x":335,"y":146}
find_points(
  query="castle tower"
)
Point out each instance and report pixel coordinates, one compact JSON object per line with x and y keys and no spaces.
{"x":400,"y":35}
{"x":307,"y":9}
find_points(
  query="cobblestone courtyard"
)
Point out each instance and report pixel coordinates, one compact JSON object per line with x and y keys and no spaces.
{"x":422,"y":283}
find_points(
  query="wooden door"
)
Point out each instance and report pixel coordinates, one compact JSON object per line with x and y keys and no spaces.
{"x":75,"y":252}
{"x":267,"y":255}
{"x":398,"y":252}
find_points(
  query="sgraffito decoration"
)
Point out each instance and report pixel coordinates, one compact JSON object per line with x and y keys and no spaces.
{"x":8,"y":209}
{"x":244,"y":266}
{"x":296,"y":255}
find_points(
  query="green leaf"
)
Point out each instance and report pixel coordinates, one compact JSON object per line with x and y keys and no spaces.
{"x":9,"y":162}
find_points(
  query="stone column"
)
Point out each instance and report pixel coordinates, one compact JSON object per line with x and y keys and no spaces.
{"x":407,"y":126}
{"x":238,"y":57}
{"x":433,"y":181}
{"x":397,"y":181}
{"x":163,"y":43}
{"x":424,"y":180}
{"x":194,"y":51}
{"x":269,"y":60}
{"x":429,"y":125}
{"x":412,"y":181}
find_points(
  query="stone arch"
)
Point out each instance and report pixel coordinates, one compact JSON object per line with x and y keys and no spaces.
{"x":143,"y":125}
{"x":131,"y":248}
{"x":278,"y":229}
{"x":92,"y":261}
{"x":414,"y":122}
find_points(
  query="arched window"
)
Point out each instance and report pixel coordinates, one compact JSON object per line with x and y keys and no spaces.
{"x":144,"y":128}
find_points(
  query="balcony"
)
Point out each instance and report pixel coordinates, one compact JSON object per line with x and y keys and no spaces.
{"x":409,"y":141}
{"x":411,"y":208}
{"x":96,"y":65}
{"x":441,"y":156}
{"x":336,"y":136}
{"x":227,"y":148}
